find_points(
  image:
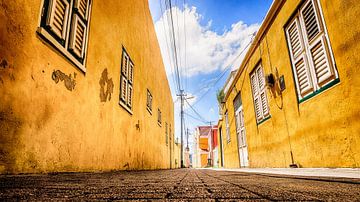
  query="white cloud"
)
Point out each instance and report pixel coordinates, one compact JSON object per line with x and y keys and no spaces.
{"x":206,"y":50}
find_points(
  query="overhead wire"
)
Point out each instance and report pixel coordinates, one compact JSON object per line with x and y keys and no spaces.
{"x":224,"y":71}
{"x":170,"y":56}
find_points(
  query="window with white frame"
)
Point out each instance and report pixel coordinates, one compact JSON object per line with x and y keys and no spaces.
{"x":227,"y":125}
{"x":64,"y":24}
{"x":310,"y":52}
{"x":126,"y":81}
{"x":149,"y":99}
{"x":259,"y":94}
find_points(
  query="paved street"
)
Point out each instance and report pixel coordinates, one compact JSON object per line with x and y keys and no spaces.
{"x":186,"y":184}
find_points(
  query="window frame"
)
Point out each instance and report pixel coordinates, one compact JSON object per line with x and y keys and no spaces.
{"x":60,"y":45}
{"x":124,"y":102}
{"x":321,"y":37}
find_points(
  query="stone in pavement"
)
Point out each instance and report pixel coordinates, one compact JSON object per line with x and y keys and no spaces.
{"x":175,"y":185}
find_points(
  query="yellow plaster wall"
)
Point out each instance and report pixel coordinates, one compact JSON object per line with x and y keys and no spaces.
{"x":323,"y":131}
{"x":177,"y":155}
{"x":46,"y":128}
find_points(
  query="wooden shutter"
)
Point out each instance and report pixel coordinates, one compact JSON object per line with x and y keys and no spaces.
{"x":255,"y":90}
{"x":78,"y":37}
{"x":124,"y":68}
{"x":303,"y":76}
{"x":310,"y":20}
{"x":130,"y":70}
{"x":82,"y":7}
{"x":58,"y":17}
{"x":294,"y":37}
{"x":298,"y":59}
{"x":262,"y":89}
{"x":129,"y":95}
{"x":123,"y":89}
{"x":320,"y":60}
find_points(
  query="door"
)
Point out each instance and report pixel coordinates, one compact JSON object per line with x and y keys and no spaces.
{"x":241,"y":137}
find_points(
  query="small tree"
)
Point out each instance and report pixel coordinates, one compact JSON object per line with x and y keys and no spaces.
{"x":220,"y":96}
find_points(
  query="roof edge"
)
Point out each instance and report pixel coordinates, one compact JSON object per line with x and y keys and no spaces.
{"x":265,"y":25}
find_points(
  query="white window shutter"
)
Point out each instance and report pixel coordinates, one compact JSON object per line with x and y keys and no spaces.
{"x":129,"y":95}
{"x":294,"y":39}
{"x":125,"y":64}
{"x":123,"y":93}
{"x":321,"y":62}
{"x":130,"y":70}
{"x":255,"y":90}
{"x":298,"y":59}
{"x":260,"y":78}
{"x":82,"y":6}
{"x":303,"y":78}
{"x":58,"y":17}
{"x":264,"y":103}
{"x":78,"y":37}
{"x":310,"y":20}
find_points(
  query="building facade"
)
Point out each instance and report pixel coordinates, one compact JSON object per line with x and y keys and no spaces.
{"x":294,"y":99}
{"x":83,"y":88}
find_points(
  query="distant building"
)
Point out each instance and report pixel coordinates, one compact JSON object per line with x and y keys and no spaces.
{"x":206,"y":147}
{"x":294,"y":100}
{"x":82,"y":88}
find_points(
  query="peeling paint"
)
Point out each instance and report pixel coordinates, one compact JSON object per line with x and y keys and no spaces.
{"x":69,"y":81}
{"x":3,"y":63}
{"x":105,"y":81}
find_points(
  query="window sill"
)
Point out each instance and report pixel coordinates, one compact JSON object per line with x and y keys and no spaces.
{"x":126,"y":107}
{"x":327,"y":86}
{"x":265,"y":119}
{"x":44,"y":34}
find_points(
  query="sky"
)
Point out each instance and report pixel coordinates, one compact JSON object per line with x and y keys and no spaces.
{"x":212,"y":37}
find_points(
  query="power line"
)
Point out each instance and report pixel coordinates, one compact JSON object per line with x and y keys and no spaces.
{"x":197,"y":113}
{"x":174,"y":47}
{"x":195,"y":118}
{"x":172,"y":68}
{"x":224,"y":71}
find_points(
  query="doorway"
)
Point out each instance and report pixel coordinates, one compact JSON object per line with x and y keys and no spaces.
{"x":241,"y":137}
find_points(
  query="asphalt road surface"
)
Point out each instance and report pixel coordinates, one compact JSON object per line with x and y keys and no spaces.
{"x":176,"y":185}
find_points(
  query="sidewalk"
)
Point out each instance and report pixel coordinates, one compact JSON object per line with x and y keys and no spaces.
{"x":353,"y":173}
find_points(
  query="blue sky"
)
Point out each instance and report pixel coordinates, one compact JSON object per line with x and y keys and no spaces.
{"x":216,"y":31}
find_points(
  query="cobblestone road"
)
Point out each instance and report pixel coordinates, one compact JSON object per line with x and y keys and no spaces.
{"x":181,"y":184}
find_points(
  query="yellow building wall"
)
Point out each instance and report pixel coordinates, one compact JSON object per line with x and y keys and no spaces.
{"x":204,"y":160}
{"x":46,"y":128}
{"x":231,"y":155}
{"x":323,"y":131}
{"x":177,"y":155}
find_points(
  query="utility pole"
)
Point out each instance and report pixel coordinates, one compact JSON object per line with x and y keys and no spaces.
{"x":187,"y":138}
{"x":182,"y":97}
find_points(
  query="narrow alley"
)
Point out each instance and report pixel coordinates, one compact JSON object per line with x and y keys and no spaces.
{"x":184,"y":184}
